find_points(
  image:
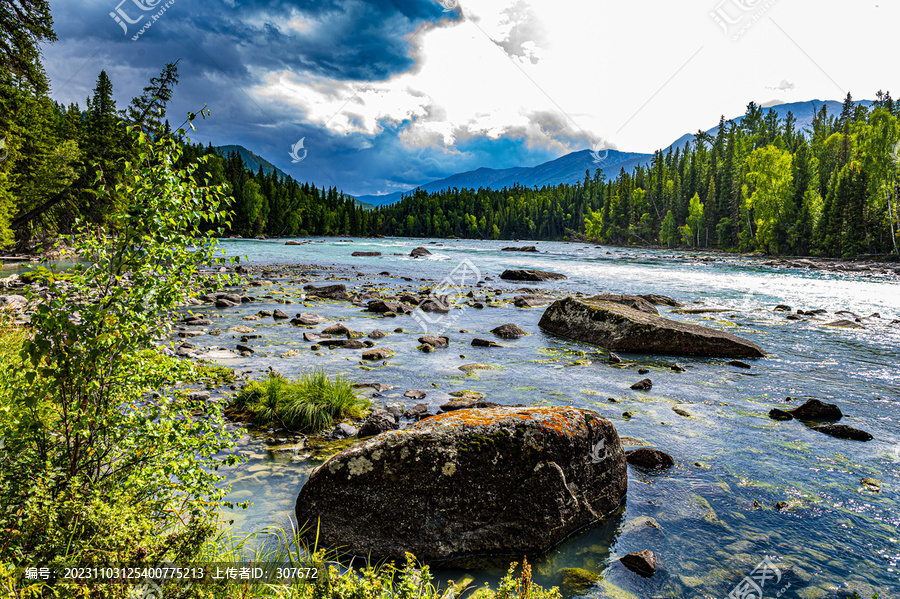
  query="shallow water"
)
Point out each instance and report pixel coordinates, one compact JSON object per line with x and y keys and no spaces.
{"x":832,"y":536}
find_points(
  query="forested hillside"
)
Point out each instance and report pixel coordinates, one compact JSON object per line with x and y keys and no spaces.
{"x":53,"y":158}
{"x":758,"y":185}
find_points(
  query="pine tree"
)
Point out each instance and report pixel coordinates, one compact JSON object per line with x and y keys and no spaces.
{"x":148,"y":111}
{"x":24,"y":25}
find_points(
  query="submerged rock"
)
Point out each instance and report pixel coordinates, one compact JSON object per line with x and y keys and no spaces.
{"x":343,"y":344}
{"x":509,"y":331}
{"x":844,"y":324}
{"x":308,"y":320}
{"x":376,"y":423}
{"x":336,"y":329}
{"x":419,"y":252}
{"x":661,"y":300}
{"x":531,"y":275}
{"x":621,"y":328}
{"x":871,"y":485}
{"x":484,"y":343}
{"x":817,"y":410}
{"x":649,"y":458}
{"x":381,"y":307}
{"x":365,"y":254}
{"x":643,"y":385}
{"x":473,"y":367}
{"x":641,"y":562}
{"x":531,"y":301}
{"x":524,"y":248}
{"x":842,"y":431}
{"x":776,"y":414}
{"x":336,"y":292}
{"x":198,"y":322}
{"x":380,"y":353}
{"x":577,"y":581}
{"x":434,"y":341}
{"x":503,"y":481}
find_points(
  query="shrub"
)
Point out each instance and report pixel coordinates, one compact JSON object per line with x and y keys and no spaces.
{"x":77,"y":426}
{"x":310,"y":404}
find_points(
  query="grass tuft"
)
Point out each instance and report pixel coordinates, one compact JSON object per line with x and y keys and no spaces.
{"x":310,"y":404}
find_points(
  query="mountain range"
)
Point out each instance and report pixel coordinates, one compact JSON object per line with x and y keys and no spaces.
{"x":569,"y":168}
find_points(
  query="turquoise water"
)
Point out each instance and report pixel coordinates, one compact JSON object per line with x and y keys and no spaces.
{"x":710,"y":534}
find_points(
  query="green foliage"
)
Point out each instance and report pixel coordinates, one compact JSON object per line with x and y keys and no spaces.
{"x":770,"y":184}
{"x":762,"y":186}
{"x":78,"y":426}
{"x":24,"y":25}
{"x":410,"y":580}
{"x":310,"y":404}
{"x":74,"y":527}
{"x":695,"y":219}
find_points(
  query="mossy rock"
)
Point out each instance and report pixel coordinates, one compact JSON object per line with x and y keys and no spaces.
{"x":577,"y":581}
{"x":501,"y":481}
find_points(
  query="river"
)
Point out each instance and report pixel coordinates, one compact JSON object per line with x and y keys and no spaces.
{"x":714,"y":513}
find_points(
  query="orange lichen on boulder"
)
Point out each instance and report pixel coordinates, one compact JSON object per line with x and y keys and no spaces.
{"x":503,"y":481}
{"x":563,"y":420}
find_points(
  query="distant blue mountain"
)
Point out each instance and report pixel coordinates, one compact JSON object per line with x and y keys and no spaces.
{"x":566,"y":169}
{"x":570,"y":168}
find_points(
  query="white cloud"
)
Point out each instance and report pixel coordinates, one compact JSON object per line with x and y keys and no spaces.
{"x":564,"y":74}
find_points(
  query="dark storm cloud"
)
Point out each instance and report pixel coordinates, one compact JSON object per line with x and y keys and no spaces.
{"x":227,"y":48}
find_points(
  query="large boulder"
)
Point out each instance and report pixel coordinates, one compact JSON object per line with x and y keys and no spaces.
{"x":632,"y":301}
{"x":620,"y":328}
{"x":531,"y":275}
{"x":419,"y":252}
{"x":504,"y":481}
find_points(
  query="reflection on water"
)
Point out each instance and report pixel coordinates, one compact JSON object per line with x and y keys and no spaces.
{"x":712,"y":518}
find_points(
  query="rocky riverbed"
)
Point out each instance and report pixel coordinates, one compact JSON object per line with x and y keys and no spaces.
{"x":742,"y":486}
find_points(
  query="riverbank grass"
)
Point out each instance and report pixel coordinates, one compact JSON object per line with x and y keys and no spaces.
{"x":310,"y":404}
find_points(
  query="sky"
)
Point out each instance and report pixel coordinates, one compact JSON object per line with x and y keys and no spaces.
{"x":389,"y":94}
